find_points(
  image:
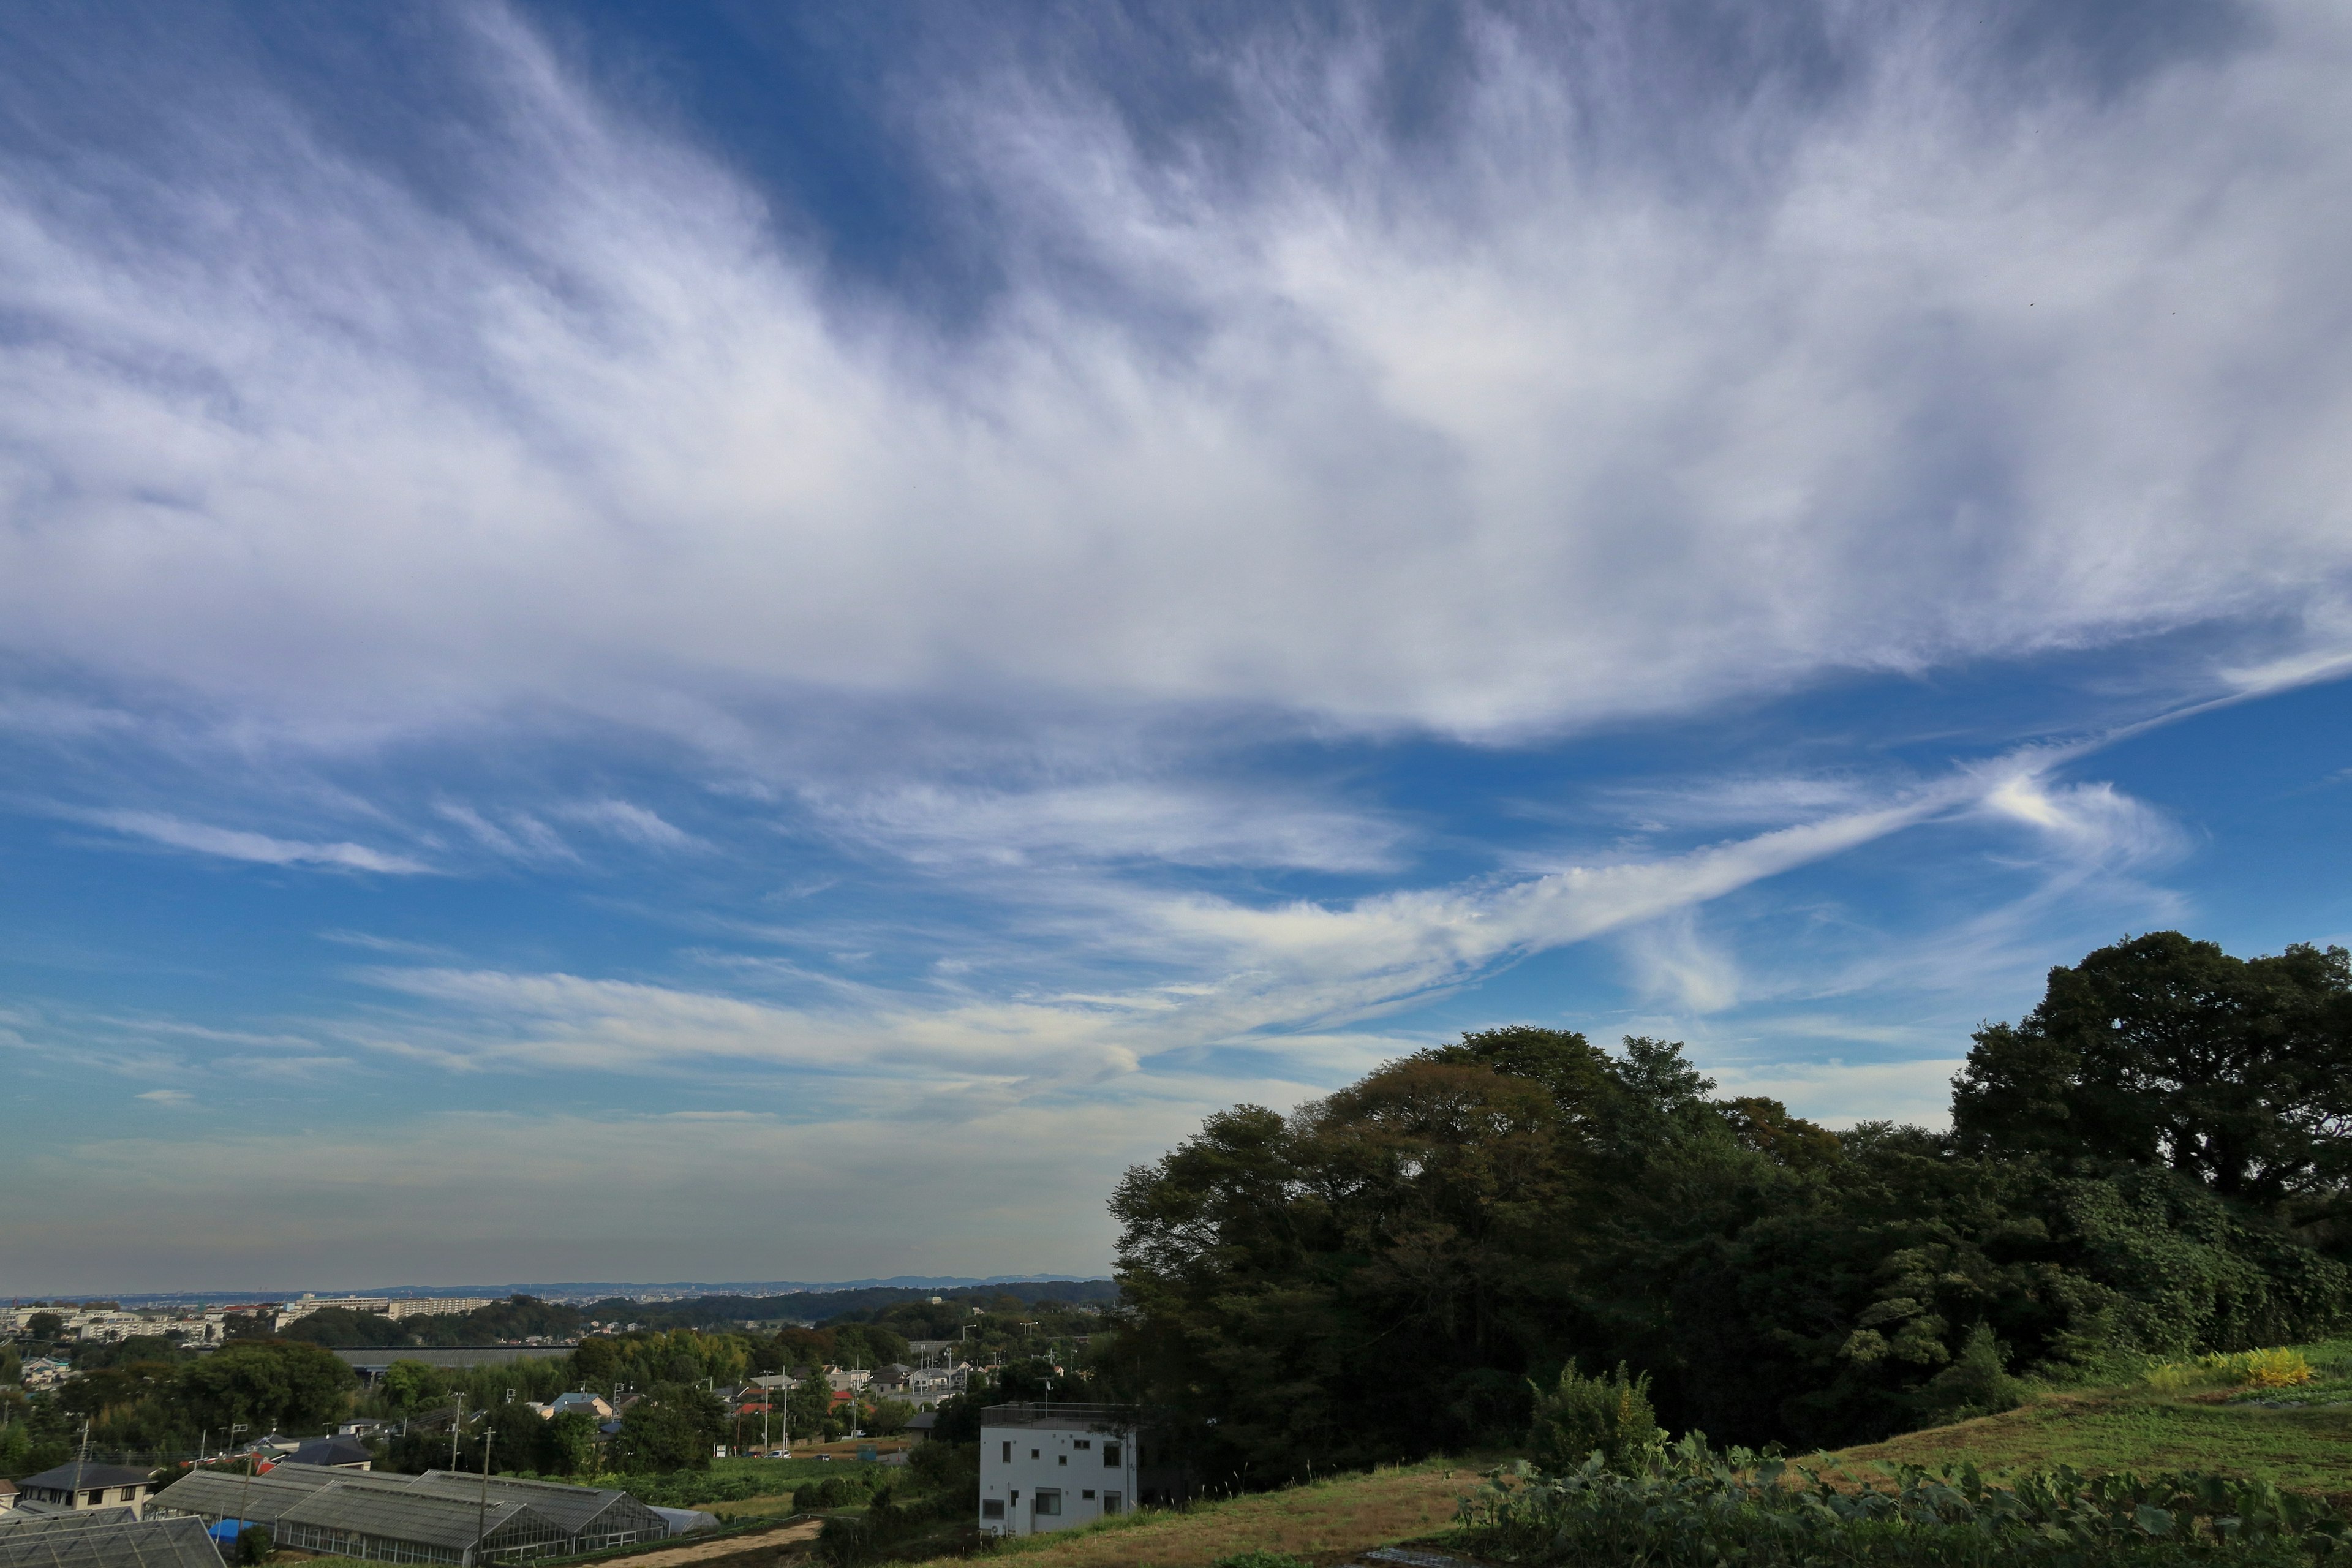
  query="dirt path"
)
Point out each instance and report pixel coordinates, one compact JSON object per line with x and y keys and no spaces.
{"x":727,"y":1546}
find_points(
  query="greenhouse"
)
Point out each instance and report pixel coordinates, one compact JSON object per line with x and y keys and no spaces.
{"x":80,"y":1541}
{"x":593,"y":1518}
{"x":442,"y":1516}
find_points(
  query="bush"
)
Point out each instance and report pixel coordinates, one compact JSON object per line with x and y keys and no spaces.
{"x":1976,"y":1383}
{"x":254,"y":1545}
{"x":1261,"y":1558}
{"x":2263,"y":1369}
{"x":1585,"y":1415}
{"x":1697,"y":1509}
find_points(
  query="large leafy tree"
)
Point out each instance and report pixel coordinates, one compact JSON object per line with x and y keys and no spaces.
{"x":1384,"y":1272}
{"x":2235,"y":1073}
{"x":674,"y":1427}
{"x":267,"y":1384}
{"x":1380,"y":1272}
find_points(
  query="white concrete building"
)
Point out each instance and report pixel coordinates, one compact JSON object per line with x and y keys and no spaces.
{"x":1050,"y":1467}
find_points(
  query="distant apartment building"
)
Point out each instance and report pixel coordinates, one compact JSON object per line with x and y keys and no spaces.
{"x":393,"y":1307}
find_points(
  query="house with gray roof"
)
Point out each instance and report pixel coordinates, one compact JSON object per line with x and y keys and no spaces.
{"x":82,"y":1484}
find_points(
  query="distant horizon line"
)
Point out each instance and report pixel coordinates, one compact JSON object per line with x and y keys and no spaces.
{"x":590,"y":1290}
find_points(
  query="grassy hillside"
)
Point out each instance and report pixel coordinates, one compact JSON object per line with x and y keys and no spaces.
{"x":2185,"y":1417}
{"x":1344,"y":1514}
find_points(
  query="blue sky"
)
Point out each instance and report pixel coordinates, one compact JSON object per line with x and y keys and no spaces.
{"x":658,"y":641}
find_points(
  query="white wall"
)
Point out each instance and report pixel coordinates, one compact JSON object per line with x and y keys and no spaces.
{"x":1068,"y":1460}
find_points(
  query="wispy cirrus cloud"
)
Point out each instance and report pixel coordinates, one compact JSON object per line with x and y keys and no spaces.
{"x":1484,"y":436}
{"x":242,"y":844}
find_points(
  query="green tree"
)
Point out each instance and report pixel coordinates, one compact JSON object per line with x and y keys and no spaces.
{"x":2235,"y":1073}
{"x":342,"y":1326}
{"x":675,"y":1428}
{"x":266,"y":1383}
{"x":44,"y":1327}
{"x":573,"y":1442}
{"x":408,"y":1386}
{"x":808,"y":1405}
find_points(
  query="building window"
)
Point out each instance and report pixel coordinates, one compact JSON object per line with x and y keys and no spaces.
{"x":1047,"y":1503}
{"x":1008,"y":1450}
{"x":992,"y":1508}
{"x":1114,"y":1502}
{"x":1033,"y":1453}
{"x":1061,"y":1458}
{"x":1088,"y":1494}
{"x":1084,"y":1443}
{"x":1110,"y":1455}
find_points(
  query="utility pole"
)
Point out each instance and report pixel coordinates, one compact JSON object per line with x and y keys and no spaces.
{"x":454,"y":1421}
{"x":243,"y":1493}
{"x":482,"y":1521}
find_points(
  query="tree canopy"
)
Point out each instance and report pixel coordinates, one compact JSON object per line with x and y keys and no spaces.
{"x":2136,"y":1165}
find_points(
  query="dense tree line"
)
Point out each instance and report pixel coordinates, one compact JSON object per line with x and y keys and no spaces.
{"x":2154,"y":1161}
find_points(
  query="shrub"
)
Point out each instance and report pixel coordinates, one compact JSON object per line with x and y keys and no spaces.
{"x":1976,"y":1383}
{"x":1583,"y":1416}
{"x":1261,"y":1558}
{"x":1695,"y":1509}
{"x":2263,"y":1369}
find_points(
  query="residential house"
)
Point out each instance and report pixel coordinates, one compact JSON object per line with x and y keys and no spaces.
{"x":45,"y":1372}
{"x":81,"y":1485}
{"x":335,"y":1453}
{"x":1053,"y":1467}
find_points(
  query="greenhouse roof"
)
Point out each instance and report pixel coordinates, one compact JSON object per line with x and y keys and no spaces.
{"x":120,"y":1543}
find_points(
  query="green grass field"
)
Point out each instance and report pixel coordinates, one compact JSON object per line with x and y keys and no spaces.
{"x":1324,"y":1520}
{"x":2180,"y":1418}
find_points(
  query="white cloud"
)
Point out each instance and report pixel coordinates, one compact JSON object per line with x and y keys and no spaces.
{"x":165,"y":1095}
{"x":2092,"y":823}
{"x":1483,"y":438}
{"x":1228,"y":972}
{"x":237,"y":844}
{"x":1114,"y":820}
{"x":632,"y":823}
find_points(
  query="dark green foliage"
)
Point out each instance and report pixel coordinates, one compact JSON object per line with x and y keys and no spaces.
{"x":571,"y":1445}
{"x":1977,"y":1383}
{"x":1261,"y":1558}
{"x":254,"y":1545}
{"x":2236,"y":1073}
{"x":26,"y":1451}
{"x":342,"y":1326}
{"x":1611,"y":1416}
{"x":2152,"y":1163}
{"x":44,"y":1327}
{"x":266,"y":1384}
{"x":891,"y":1522}
{"x":675,"y":1428}
{"x":1701,"y":1510}
{"x":692,"y":1488}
